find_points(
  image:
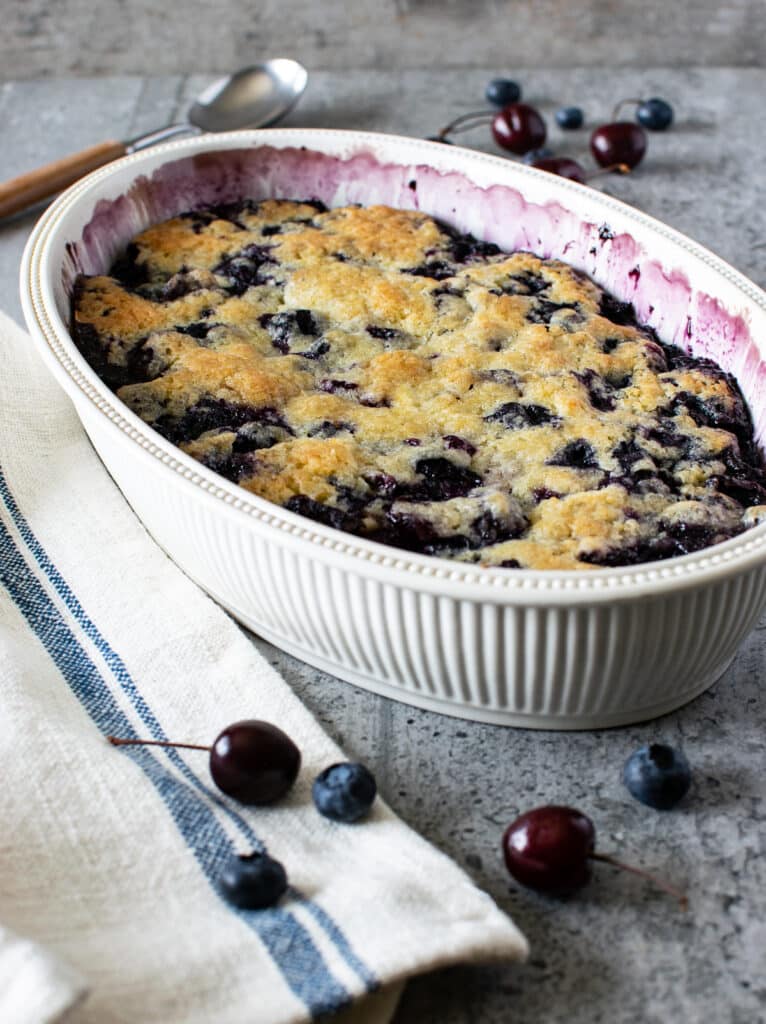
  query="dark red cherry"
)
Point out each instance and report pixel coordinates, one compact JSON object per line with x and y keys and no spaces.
{"x":519,"y":128}
{"x":621,"y":142}
{"x":549,"y":849}
{"x":562,"y":166}
{"x":254,"y":762}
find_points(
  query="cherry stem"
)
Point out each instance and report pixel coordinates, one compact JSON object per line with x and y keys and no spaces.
{"x":116,"y":741}
{"x":477,"y":117}
{"x":621,"y":104}
{"x":611,"y":169}
{"x":669,"y":889}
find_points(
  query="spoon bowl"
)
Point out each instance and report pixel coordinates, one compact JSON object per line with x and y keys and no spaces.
{"x":252,"y":97}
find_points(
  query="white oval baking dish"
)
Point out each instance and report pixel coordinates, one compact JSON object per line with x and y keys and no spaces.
{"x":554,"y":650}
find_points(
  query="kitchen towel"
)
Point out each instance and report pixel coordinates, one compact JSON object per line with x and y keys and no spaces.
{"x":111,"y":857}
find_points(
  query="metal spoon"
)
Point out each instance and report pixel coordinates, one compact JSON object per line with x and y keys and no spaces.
{"x":251,"y":98}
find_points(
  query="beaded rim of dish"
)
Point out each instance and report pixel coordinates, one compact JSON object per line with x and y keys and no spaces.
{"x":752,"y":542}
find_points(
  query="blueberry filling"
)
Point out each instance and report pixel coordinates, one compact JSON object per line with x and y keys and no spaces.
{"x":337,"y":386}
{"x":140,"y":364}
{"x":231,"y":465}
{"x":466,"y":248}
{"x":328,"y":515}
{"x":543,"y":493}
{"x":459,"y":444}
{"x":599,"y":391}
{"x":254,"y":436}
{"x":442,"y":479}
{"x":525,"y":283}
{"x":621,"y":313}
{"x":575,"y":455}
{"x":674,"y":540}
{"x":743,"y":482}
{"x":414,"y":532}
{"x":287,"y":327}
{"x":214,"y":414}
{"x":382,"y":333}
{"x":544,"y":309}
{"x":178,"y":286}
{"x":610,"y":344}
{"x":198,"y":329}
{"x":128,"y":271}
{"x":447,"y":290}
{"x":382,"y":484}
{"x":438,"y":270}
{"x":329,"y":429}
{"x":728,"y":413}
{"x":244,"y":268}
{"x":501,"y":376}
{"x":516,"y":416}
{"x":374,"y":403}
{"x":628,"y":453}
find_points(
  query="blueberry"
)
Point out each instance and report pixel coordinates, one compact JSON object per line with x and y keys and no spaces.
{"x":657,"y":775}
{"x":243,"y":269}
{"x":576,"y":455}
{"x":284,"y":328}
{"x":344,"y":792}
{"x":442,"y":480}
{"x":517,"y":416}
{"x":570,"y":118}
{"x":655,"y":114}
{"x":253,"y":881}
{"x":537,"y":154}
{"x":382,"y":333}
{"x":439,"y":270}
{"x":502,"y":91}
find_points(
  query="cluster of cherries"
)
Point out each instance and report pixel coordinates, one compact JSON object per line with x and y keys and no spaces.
{"x":256,"y":763}
{"x":519,"y":128}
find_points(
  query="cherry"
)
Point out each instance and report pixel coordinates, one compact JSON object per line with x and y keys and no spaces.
{"x":620,"y":142}
{"x":571,"y":169}
{"x":550,"y":849}
{"x":252,"y":761}
{"x":519,"y":128}
{"x":562,"y":166}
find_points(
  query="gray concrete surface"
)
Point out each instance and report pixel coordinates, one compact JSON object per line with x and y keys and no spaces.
{"x":82,"y":37}
{"x":618,"y":952}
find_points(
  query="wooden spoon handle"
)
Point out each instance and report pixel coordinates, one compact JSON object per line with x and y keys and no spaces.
{"x":26,"y":189}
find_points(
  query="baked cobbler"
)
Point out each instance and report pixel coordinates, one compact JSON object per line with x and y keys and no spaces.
{"x":374,"y":370}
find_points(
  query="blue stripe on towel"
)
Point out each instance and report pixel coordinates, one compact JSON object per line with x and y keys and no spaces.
{"x":288,"y":942}
{"x":121,"y":674}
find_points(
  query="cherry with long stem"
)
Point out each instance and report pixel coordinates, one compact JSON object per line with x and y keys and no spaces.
{"x":252,"y":761}
{"x":550,"y":849}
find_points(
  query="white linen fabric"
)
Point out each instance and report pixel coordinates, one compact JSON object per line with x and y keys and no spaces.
{"x":110,"y":857}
